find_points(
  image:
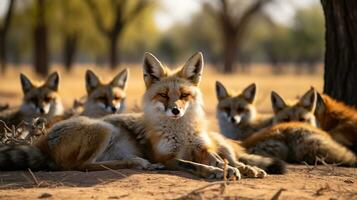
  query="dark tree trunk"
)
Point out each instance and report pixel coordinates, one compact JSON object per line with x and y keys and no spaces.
{"x":40,"y":41}
{"x":69,"y":49}
{"x":3,"y":33}
{"x":113,"y":50}
{"x":2,"y":53}
{"x":341,"y":50}
{"x":230,"y":53}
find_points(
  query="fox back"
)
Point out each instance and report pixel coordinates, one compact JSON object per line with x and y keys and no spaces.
{"x":337,"y":119}
{"x":105,"y":98}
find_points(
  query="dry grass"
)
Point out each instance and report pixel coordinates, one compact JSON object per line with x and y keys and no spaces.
{"x":72,"y":85}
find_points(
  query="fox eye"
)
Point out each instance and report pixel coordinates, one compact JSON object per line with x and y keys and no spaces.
{"x":33,"y":99}
{"x":302,"y":119}
{"x":101,"y":98}
{"x":47,"y":99}
{"x":286,"y":120}
{"x":240,"y":110}
{"x":164,"y":95}
{"x":227,"y":109}
{"x":184,"y":95}
{"x":117,"y":98}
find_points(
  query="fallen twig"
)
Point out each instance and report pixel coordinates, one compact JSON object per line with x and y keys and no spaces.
{"x":114,"y":171}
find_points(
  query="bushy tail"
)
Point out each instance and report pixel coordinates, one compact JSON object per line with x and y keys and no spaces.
{"x":270,"y":165}
{"x":22,"y":157}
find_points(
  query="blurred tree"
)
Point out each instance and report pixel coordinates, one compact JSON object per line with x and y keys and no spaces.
{"x":70,"y":33}
{"x":341,"y":50}
{"x":123,"y":14}
{"x":233,"y":23}
{"x":40,"y":39}
{"x":307,"y":36}
{"x":278,"y":46}
{"x":3,"y":35}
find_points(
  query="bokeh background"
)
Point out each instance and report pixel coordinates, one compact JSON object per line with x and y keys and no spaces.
{"x":279,"y":44}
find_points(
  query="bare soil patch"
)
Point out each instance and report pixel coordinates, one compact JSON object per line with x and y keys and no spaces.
{"x":301,"y":182}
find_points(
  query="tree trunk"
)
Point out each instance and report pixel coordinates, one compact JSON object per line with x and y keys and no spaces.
{"x":69,"y":49}
{"x":3,"y":33}
{"x":113,"y":51}
{"x":2,"y":53}
{"x":40,"y":41}
{"x":230,"y":53}
{"x":341,"y":50}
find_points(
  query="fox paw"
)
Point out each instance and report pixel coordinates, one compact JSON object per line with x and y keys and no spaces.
{"x":140,"y":163}
{"x":252,"y":172}
{"x":217,"y":173}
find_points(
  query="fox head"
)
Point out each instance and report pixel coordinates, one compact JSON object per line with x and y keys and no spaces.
{"x":41,"y":99}
{"x":302,"y":111}
{"x":236,"y":108}
{"x":172,"y":94}
{"x":105,"y":98}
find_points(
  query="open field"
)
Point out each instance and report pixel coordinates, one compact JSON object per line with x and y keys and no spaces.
{"x":301,"y":182}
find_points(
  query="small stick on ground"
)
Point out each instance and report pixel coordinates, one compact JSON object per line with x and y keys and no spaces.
{"x":278,"y":193}
{"x":34,"y":177}
{"x":114,"y":171}
{"x":224,"y":184}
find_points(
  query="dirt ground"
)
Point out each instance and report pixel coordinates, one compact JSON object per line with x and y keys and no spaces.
{"x":301,"y":182}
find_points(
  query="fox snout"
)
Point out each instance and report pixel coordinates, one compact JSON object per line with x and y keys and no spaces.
{"x":175,"y":112}
{"x":235,"y":119}
{"x":111,"y":108}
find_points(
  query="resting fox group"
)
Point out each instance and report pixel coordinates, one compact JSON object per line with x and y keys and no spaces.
{"x":172,"y":132}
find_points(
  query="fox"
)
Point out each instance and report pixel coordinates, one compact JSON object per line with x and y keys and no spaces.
{"x":302,"y":110}
{"x":298,"y":142}
{"x":39,"y":100}
{"x":176,"y":126}
{"x":105,"y":98}
{"x":322,"y":111}
{"x":236,"y":113}
{"x":78,"y":143}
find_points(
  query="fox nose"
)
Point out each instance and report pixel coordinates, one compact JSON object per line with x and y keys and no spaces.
{"x":42,"y":111}
{"x":233,"y":120}
{"x":114,"y":109}
{"x":175,"y":111}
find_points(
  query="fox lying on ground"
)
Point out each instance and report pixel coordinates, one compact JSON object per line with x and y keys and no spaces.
{"x":105,"y":98}
{"x":319,"y":110}
{"x":237,"y":114}
{"x":39,"y":100}
{"x":297,"y":138}
{"x":298,"y":142}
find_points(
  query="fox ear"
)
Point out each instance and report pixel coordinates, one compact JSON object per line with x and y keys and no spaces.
{"x":221,"y":91}
{"x":192,"y":70}
{"x":53,"y":81}
{"x":153,"y":69}
{"x":320,"y":105}
{"x":308,"y":100}
{"x":249,"y":92}
{"x":25,"y":83}
{"x":277,"y":102}
{"x":92,"y":81}
{"x":121,"y":79}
